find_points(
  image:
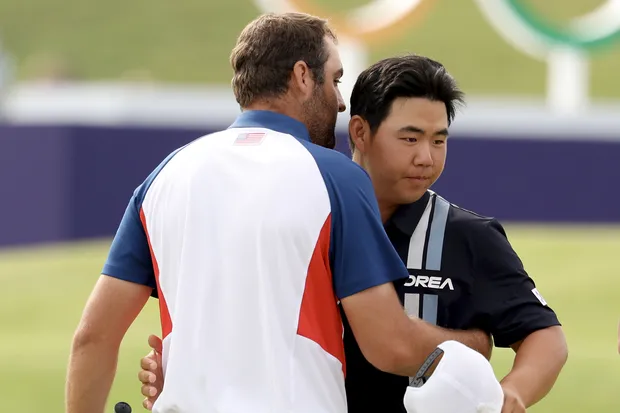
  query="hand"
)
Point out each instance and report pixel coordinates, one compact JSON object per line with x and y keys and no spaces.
{"x":152,"y":376}
{"x":512,"y":401}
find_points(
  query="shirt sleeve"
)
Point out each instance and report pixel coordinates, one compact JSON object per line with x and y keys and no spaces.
{"x":507,"y":300}
{"x":129,"y":258}
{"x":360,"y":252}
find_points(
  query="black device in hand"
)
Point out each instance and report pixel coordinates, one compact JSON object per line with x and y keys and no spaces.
{"x":122,"y":407}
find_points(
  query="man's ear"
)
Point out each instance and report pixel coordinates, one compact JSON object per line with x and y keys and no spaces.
{"x":302,"y":80}
{"x":359,"y":132}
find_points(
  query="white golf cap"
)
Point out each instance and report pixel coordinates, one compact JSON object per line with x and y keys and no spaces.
{"x":463,"y":382}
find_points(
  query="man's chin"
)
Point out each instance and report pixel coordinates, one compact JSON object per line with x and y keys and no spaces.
{"x":412,"y":196}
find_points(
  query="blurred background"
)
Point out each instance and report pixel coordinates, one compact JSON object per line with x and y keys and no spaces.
{"x":94,"y":94}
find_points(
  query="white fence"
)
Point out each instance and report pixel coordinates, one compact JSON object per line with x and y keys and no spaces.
{"x":102,"y":103}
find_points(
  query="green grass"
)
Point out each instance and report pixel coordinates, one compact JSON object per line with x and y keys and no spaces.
{"x":190,"y":41}
{"x":44,"y":289}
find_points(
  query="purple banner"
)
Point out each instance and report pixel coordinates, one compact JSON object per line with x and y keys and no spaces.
{"x":65,"y":183}
{"x":534,"y":180}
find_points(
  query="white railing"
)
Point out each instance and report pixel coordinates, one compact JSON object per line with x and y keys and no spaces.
{"x":114,"y":103}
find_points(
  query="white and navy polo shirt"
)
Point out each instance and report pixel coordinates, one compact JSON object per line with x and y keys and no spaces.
{"x":251,"y":236}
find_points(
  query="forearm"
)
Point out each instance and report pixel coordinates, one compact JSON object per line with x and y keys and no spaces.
{"x":475,"y":339}
{"x":426,"y":337}
{"x":431,"y":336}
{"x":92,"y":367}
{"x":539,"y":360}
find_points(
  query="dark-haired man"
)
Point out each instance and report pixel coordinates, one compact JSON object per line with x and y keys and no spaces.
{"x":463,"y":273}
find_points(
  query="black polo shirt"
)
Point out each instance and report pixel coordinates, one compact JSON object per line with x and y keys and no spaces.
{"x":463,"y":274}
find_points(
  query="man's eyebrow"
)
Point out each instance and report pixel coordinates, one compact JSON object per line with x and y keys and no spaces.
{"x":415,"y":129}
{"x":411,"y":128}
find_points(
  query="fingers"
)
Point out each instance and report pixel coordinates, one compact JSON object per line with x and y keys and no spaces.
{"x":149,"y":370}
{"x":155,"y":343}
{"x":149,"y":391}
{"x":148,"y":403}
{"x":146,"y":377}
{"x":149,"y":362}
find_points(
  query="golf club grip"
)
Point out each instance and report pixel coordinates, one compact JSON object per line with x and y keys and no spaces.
{"x":122,"y":407}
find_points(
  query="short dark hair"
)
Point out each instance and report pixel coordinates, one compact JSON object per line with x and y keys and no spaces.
{"x":406,"y":76}
{"x":268,"y":48}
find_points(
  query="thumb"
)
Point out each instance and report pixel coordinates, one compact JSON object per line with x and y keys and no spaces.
{"x":155,"y":343}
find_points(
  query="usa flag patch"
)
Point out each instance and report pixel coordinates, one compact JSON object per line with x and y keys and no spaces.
{"x":250,"y":138}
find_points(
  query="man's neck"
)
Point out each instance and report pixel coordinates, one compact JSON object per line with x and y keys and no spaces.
{"x":386,"y":209}
{"x":280,"y":105}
